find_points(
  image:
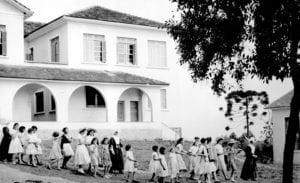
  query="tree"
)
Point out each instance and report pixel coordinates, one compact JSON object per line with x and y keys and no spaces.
{"x":245,"y":107}
{"x":221,"y":39}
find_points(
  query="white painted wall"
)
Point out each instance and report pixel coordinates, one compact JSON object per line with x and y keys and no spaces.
{"x":13,"y":19}
{"x":278,"y":119}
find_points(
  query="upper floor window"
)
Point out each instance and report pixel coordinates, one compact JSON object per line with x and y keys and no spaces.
{"x":126,"y":51}
{"x":163,"y":99}
{"x":94,"y":48}
{"x":29,"y":56}
{"x":3,"y":40}
{"x":55,"y":49}
{"x":157,"y":54}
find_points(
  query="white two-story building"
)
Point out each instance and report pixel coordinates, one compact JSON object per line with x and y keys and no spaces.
{"x":94,"y":68}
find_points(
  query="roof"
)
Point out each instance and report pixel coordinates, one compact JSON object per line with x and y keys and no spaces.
{"x":66,"y":74}
{"x":282,"y":102}
{"x":31,"y":26}
{"x":104,"y":14}
{"x":21,"y":7}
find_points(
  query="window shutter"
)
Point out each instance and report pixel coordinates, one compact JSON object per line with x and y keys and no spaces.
{"x":104,"y":51}
{"x":4,"y":39}
{"x":163,"y":98}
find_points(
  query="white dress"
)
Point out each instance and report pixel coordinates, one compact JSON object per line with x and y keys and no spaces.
{"x":220,"y":157}
{"x":55,"y":152}
{"x":15,"y":145}
{"x":212,"y":157}
{"x":174,"y":169}
{"x":181,"y":164}
{"x":193,"y":157}
{"x":202,"y":166}
{"x":94,"y":154}
{"x":129,"y":165}
{"x":31,"y":147}
{"x":163,"y":172}
{"x":38,"y":144}
{"x":67,"y":148}
{"x":154,"y":165}
{"x":81,"y":154}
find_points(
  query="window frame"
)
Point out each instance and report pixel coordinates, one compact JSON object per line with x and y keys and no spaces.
{"x":163,"y":107}
{"x":124,"y":111}
{"x":125,"y":51}
{"x":87,"y":38}
{"x":52,"y":101}
{"x":35,"y":103}
{"x":55,"y":51}
{"x":163,"y":63}
{"x":96,"y":105}
{"x":3,"y":41}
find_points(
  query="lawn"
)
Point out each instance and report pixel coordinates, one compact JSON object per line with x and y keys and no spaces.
{"x":142,"y":152}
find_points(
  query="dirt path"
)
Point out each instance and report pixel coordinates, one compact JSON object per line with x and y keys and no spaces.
{"x":11,"y":175}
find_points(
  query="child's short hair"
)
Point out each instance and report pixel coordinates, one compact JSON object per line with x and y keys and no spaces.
{"x":203,"y":140}
{"x":82,"y":130}
{"x":15,"y":124}
{"x":55,"y":134}
{"x":64,"y":129}
{"x":34,"y":127}
{"x":154,"y":148}
{"x":95,"y":139}
{"x":29,"y":130}
{"x":22,"y":129}
{"x":162,"y":150}
{"x":90,"y":130}
{"x":208,"y":139}
{"x":103,"y":140}
{"x":171,"y":148}
{"x":127,"y":147}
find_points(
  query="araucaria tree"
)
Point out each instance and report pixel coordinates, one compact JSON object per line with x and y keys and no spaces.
{"x":246,"y":107}
{"x":219,"y":39}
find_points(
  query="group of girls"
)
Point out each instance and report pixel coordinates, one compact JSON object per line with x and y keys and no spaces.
{"x":16,"y":144}
{"x":205,"y":160}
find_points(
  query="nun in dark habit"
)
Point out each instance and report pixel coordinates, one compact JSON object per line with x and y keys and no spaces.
{"x":115,"y":151}
{"x":249,"y":168}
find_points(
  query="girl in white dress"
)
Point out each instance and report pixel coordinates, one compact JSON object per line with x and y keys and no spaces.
{"x":15,"y":147}
{"x":179,"y":152}
{"x":38,"y":145}
{"x":193,"y":158}
{"x":23,"y":142}
{"x":163,"y":172}
{"x":203,"y":167}
{"x":81,"y":154}
{"x":55,"y":153}
{"x":212,"y":156}
{"x":129,"y":166}
{"x":31,"y":147}
{"x":94,"y":153}
{"x":154,"y":163}
{"x":174,"y":169}
{"x":221,"y":165}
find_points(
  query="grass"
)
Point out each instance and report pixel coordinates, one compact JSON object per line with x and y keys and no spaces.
{"x":142,"y":152}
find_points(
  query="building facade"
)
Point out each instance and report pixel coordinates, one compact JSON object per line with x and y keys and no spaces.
{"x":95,"y":68}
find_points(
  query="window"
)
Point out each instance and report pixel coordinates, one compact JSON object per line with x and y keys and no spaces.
{"x":52,"y":104}
{"x":134,"y":111}
{"x":39,"y":102}
{"x":163,"y":99}
{"x":121,"y":111}
{"x":126,"y":51}
{"x":297,"y":146}
{"x":93,"y":97}
{"x":94,"y":48}
{"x":29,"y":56}
{"x":55,"y":49}
{"x":157,"y":54}
{"x":3,"y":40}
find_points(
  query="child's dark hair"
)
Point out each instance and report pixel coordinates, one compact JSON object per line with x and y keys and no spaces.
{"x":208,"y":139}
{"x":203,"y":140}
{"x":162,"y":150}
{"x":55,"y":134}
{"x":34,"y":127}
{"x":90,"y":130}
{"x":22,"y":129}
{"x":29,"y":130}
{"x":15,"y":124}
{"x":82,"y":130}
{"x":127,"y":147}
{"x":64,"y":130}
{"x":95,"y":139}
{"x":155,"y":148}
{"x":103,"y":140}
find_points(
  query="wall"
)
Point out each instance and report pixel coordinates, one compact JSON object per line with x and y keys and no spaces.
{"x":13,"y":20}
{"x":278,"y":119}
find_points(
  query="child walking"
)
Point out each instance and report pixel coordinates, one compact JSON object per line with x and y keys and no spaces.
{"x":38,"y":143}
{"x":203,"y":166}
{"x":15,"y":146}
{"x":55,"y":153}
{"x":154,"y":163}
{"x":31,"y":147}
{"x":93,"y":148}
{"x":23,"y":142}
{"x":193,"y":159}
{"x":81,"y":154}
{"x":66,"y":147}
{"x":105,"y":157}
{"x":129,"y":166}
{"x":174,"y":168}
{"x":163,"y":172}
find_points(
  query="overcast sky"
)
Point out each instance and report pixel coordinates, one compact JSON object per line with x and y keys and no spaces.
{"x":159,"y":10}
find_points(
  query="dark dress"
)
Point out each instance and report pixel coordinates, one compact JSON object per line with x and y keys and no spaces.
{"x":117,"y":157}
{"x":5,"y":142}
{"x":249,"y":168}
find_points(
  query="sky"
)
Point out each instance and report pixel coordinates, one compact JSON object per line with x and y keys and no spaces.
{"x":162,"y":10}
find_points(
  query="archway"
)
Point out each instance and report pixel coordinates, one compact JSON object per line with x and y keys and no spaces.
{"x":134,"y":105}
{"x":34,"y":102}
{"x":87,"y":104}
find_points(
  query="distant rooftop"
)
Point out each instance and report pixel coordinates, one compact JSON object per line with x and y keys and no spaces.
{"x":66,"y":74}
{"x":282,"y":102}
{"x":31,"y":26}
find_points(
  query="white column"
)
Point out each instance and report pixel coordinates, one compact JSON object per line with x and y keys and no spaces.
{"x":112,"y":98}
